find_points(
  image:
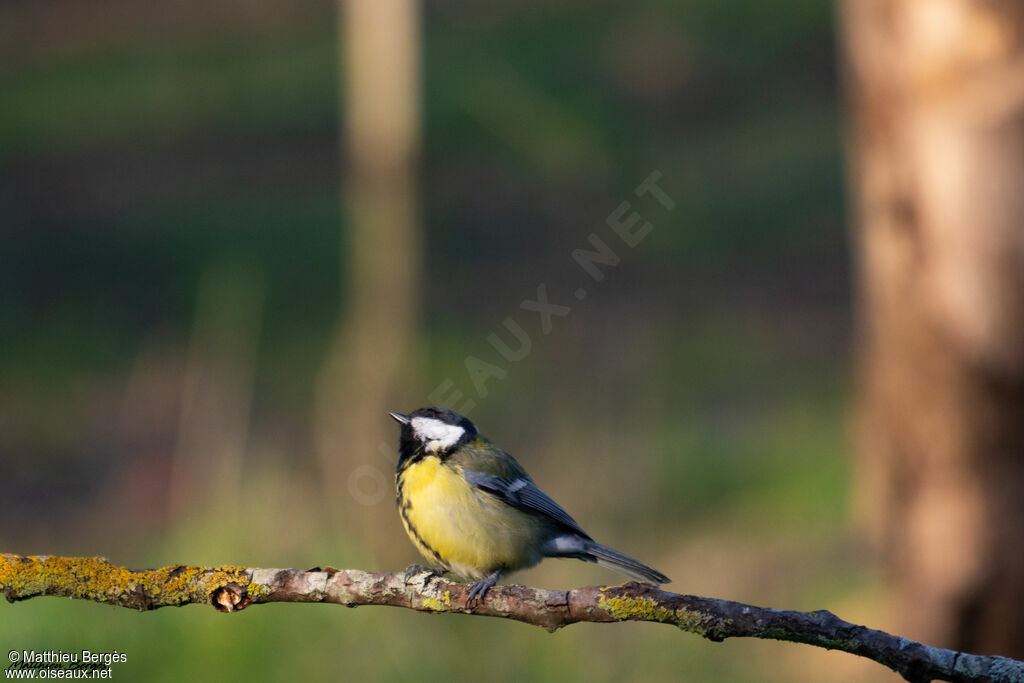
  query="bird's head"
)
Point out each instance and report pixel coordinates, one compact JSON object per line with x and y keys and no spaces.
{"x":432,"y":431}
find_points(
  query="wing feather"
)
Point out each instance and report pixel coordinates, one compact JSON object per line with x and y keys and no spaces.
{"x":523,"y":494}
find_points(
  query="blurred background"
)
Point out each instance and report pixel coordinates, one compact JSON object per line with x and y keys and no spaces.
{"x":235,"y":233}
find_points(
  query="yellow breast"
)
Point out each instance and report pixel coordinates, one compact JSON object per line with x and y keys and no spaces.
{"x":470,"y":532}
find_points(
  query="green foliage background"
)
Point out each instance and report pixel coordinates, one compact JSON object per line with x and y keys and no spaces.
{"x":689,"y":412}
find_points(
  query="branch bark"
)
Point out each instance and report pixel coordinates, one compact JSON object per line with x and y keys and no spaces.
{"x":230,"y":589}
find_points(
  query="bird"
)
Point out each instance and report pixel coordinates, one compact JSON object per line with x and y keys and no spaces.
{"x":471,"y":509}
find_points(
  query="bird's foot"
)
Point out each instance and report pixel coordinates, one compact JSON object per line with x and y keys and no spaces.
{"x":479,"y":590}
{"x":431,"y":572}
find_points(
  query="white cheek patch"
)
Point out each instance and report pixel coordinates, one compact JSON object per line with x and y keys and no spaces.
{"x":435,"y":434}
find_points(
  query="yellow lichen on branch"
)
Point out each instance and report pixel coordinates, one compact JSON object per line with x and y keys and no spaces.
{"x":96,"y":579}
{"x":645,"y":609}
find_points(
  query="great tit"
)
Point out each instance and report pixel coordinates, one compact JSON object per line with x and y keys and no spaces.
{"x":469,"y":507}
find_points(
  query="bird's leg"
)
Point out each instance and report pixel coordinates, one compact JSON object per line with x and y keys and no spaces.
{"x":481,"y":587}
{"x":431,"y":572}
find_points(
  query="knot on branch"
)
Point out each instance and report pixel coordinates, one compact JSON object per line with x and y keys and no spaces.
{"x":230,"y":597}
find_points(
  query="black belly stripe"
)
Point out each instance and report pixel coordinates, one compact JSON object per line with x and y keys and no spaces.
{"x":404,"y":505}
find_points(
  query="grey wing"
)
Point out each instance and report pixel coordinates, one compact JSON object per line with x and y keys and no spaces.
{"x":523,"y":494}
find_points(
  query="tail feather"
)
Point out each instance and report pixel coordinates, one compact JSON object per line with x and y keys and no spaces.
{"x":590,"y":551}
{"x":624,"y":564}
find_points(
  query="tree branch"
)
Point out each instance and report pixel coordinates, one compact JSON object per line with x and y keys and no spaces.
{"x":230,"y":589}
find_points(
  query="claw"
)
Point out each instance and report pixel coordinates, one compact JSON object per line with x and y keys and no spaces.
{"x":480,"y":588}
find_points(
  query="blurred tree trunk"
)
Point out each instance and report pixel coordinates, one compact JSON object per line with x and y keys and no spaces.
{"x":217,"y":393}
{"x":937,"y":152}
{"x":363,"y":376}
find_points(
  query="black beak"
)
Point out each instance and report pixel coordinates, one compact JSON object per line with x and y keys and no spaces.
{"x":399,"y":418}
